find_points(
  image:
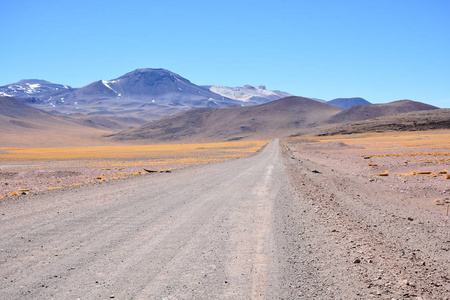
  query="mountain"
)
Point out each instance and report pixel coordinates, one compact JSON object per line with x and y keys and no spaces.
{"x":320,"y":100}
{"x":412,"y":121}
{"x":365,"y":112}
{"x":345,"y":103}
{"x":34,"y":90}
{"x":278,"y":118}
{"x":248,"y":94}
{"x":152,"y":86}
{"x":14,"y":109}
{"x":144,"y":94}
{"x":22,"y":125}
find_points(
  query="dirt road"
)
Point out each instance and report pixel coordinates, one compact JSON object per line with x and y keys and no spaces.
{"x":200,"y":233}
{"x":265,"y":227}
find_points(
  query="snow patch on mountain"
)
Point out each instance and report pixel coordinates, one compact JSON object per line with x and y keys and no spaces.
{"x":105,"y":83}
{"x":31,"y":87}
{"x":248,"y":93}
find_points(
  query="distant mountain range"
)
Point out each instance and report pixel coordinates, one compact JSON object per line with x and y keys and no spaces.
{"x":143,"y":95}
{"x":23,"y":125}
{"x":177,"y":109}
{"x":278,"y":118}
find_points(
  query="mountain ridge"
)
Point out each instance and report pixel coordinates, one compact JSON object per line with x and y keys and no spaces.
{"x":345,"y":103}
{"x":365,"y":112}
{"x":145,"y":94}
{"x":276,"y":118}
{"x":22,"y":124}
{"x":280,"y":118}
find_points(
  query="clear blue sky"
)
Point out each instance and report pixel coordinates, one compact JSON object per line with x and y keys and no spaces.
{"x":381,"y":50}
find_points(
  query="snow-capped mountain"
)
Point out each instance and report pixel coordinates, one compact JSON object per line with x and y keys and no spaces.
{"x":34,"y":90}
{"x":148,"y":87}
{"x":149,"y":93}
{"x":164,"y":87}
{"x":249,"y":94}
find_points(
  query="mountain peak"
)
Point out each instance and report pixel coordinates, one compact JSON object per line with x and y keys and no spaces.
{"x":29,"y":88}
{"x":146,"y":72}
{"x":33,"y":81}
{"x":348,"y":102}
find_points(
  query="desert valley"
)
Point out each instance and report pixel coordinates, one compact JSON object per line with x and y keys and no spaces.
{"x":148,"y":186}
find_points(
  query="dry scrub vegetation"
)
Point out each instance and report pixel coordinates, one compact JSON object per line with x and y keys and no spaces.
{"x":414,"y":163}
{"x":35,"y":169}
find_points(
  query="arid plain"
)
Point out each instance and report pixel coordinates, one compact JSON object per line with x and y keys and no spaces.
{"x":25,"y":170}
{"x":382,"y":199}
{"x":360,"y":216}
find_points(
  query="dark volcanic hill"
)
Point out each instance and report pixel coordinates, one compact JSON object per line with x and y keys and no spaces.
{"x":345,"y":103}
{"x":412,"y":121}
{"x":278,"y":118}
{"x":365,"y":112}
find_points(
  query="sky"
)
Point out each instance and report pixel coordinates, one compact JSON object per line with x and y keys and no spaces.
{"x":383,"y":50}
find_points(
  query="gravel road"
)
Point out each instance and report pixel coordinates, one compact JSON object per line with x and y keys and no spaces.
{"x":200,"y":233}
{"x":264,"y":227}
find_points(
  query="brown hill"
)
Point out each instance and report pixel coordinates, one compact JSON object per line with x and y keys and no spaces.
{"x":12,"y":108}
{"x":413,"y":121}
{"x":278,"y":118}
{"x":22,"y":125}
{"x":365,"y":112}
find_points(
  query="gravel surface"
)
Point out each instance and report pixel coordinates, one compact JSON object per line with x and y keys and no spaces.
{"x":277,"y":225}
{"x":199,"y":233}
{"x":356,"y":236}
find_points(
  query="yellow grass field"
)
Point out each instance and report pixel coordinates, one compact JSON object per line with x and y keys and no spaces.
{"x":422,"y":146}
{"x":133,"y":155}
{"x":37,"y":169}
{"x":438,"y":140}
{"x":433,"y":139}
{"x":405,"y":153}
{"x":393,"y":143}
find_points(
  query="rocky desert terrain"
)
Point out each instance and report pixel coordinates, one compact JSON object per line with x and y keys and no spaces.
{"x":361,"y":216}
{"x":374,"y":211}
